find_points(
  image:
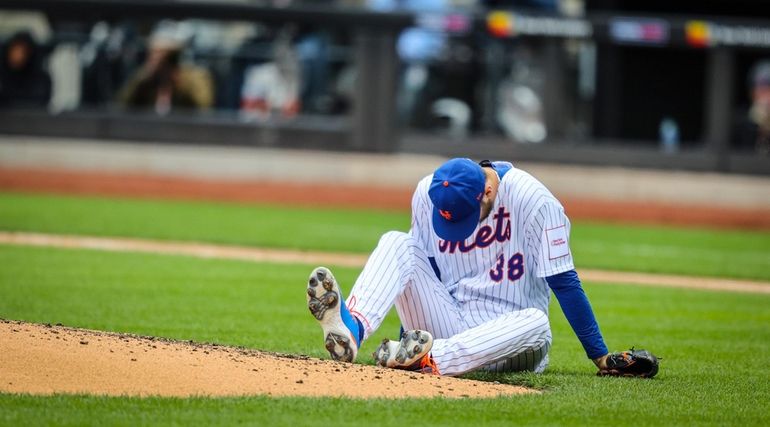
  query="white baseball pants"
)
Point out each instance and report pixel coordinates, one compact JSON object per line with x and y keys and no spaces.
{"x":465,"y":338}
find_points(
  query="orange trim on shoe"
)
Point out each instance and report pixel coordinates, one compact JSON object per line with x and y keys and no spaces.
{"x":428,"y":365}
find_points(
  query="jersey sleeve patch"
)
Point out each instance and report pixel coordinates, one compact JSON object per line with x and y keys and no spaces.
{"x":557,"y":242}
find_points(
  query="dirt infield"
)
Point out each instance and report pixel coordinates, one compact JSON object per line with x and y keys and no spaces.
{"x":44,"y":359}
{"x":372,"y":196}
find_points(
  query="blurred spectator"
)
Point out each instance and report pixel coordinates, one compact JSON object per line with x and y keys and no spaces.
{"x":107,"y":60}
{"x":273,"y":86}
{"x":416,"y":45}
{"x":520,"y":110}
{"x":753,"y":130}
{"x":313,"y":49}
{"x":419,"y":48}
{"x":23,"y":80}
{"x":164,"y":82}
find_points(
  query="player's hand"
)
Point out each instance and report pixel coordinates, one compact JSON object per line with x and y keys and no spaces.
{"x":631,"y":363}
{"x":601,"y":362}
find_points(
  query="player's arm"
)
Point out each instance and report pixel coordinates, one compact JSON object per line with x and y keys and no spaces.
{"x":549,"y":240}
{"x":577,"y":309}
{"x":548,"y":232}
{"x":574,"y":303}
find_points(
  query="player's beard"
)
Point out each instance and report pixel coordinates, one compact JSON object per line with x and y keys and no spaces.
{"x":486,"y":208}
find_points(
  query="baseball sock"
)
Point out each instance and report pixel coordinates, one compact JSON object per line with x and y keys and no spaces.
{"x":354,"y":325}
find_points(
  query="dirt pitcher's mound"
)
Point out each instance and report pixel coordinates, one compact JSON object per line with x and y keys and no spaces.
{"x":43,"y":359}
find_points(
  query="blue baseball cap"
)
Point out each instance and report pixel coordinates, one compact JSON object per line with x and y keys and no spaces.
{"x":456,"y":192}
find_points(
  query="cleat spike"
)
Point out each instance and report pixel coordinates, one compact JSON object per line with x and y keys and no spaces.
{"x":331,"y":300}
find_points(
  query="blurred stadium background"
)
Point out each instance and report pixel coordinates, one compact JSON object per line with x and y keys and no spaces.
{"x":620,"y":100}
{"x":654,"y":111}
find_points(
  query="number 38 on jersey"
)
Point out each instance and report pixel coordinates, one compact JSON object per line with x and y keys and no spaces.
{"x":513,"y":268}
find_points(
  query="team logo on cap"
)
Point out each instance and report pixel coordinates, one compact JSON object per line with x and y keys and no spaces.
{"x":446,"y":214}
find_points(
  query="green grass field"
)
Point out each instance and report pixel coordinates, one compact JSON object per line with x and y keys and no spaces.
{"x":738,"y":254}
{"x":715,"y":371}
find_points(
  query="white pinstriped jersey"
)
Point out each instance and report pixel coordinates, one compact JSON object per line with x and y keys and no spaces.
{"x":502,"y":266}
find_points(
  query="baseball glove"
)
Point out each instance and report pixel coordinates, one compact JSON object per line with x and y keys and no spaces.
{"x":632,"y":363}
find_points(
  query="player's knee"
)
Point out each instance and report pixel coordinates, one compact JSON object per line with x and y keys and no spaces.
{"x":395,"y":238}
{"x":534,"y":313}
{"x":538,"y":317}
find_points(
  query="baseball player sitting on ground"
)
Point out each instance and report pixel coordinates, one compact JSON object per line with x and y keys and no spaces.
{"x":471,"y":281}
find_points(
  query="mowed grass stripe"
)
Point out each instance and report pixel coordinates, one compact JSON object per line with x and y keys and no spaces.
{"x":228,"y":223}
{"x":283,"y":256}
{"x":715,"y":371}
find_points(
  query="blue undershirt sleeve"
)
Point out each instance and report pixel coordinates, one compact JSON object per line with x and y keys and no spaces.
{"x":574,"y":303}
